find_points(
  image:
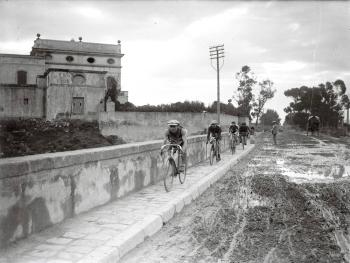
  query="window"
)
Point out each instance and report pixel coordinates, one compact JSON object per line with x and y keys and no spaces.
{"x":91,"y":60}
{"x":78,"y":105}
{"x":48,"y":57}
{"x":25,"y":101}
{"x":110,"y":61}
{"x":69,"y":58}
{"x":21,"y":77}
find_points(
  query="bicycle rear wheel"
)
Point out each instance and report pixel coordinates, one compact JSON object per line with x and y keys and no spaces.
{"x":168,"y":174}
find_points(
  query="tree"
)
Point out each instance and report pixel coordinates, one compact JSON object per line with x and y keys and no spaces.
{"x":265,"y":93}
{"x":244,"y":97}
{"x":326,"y":101}
{"x":269,"y":116}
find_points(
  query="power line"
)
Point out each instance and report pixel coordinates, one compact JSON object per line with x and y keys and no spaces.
{"x":217,"y":52}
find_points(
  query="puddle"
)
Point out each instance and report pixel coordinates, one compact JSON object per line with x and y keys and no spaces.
{"x":312,"y":176}
{"x":324,"y":154}
{"x":319,"y":173}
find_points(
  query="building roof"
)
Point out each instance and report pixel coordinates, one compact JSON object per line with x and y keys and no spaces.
{"x":20,"y":56}
{"x":75,"y":47}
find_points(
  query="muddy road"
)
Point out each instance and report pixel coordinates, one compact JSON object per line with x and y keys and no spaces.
{"x":285,"y":203}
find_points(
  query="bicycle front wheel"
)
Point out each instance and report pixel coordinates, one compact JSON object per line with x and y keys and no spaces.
{"x":168,"y":174}
{"x":233,"y":146}
{"x":211,"y":155}
{"x":182,"y":175}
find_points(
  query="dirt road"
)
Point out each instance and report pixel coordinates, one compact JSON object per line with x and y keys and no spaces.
{"x":285,"y":203}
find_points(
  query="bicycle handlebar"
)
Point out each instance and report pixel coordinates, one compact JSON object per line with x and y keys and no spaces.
{"x":171,"y":145}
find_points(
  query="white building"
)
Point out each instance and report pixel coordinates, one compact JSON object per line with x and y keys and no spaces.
{"x":61,"y":78}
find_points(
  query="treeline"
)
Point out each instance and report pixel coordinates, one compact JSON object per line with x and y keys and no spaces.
{"x":186,"y":106}
{"x":328,"y":101}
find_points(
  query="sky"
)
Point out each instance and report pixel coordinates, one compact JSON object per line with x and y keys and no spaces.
{"x":166,"y":43}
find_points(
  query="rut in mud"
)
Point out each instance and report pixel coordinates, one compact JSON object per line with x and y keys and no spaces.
{"x":285,"y":203}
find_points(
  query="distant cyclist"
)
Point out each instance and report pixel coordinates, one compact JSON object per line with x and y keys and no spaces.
{"x":274,"y":132}
{"x":252,"y":130}
{"x":214,"y":131}
{"x":243,"y":132}
{"x":233,"y":130}
{"x":176,"y":134}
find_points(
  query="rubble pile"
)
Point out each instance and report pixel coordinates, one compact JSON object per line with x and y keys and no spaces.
{"x":35,"y":136}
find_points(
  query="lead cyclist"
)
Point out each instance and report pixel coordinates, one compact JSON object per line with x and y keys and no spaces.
{"x":176,"y":134}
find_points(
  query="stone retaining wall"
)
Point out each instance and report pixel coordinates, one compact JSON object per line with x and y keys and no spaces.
{"x":41,"y":190}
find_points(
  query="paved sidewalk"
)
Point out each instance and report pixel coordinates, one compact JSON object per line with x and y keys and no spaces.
{"x":107,"y":233}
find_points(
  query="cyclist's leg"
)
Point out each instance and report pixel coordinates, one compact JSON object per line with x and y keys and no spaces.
{"x":183,"y":159}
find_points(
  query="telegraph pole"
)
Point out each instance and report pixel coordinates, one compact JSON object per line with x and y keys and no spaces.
{"x":217,"y":52}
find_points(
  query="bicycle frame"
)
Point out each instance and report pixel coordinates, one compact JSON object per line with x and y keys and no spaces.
{"x":173,"y":151}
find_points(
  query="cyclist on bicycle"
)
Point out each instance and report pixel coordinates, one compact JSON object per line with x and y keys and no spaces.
{"x":214,"y":131}
{"x":176,"y":134}
{"x":232,"y":130}
{"x":243,"y":131}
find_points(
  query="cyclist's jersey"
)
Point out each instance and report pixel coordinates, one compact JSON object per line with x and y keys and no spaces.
{"x":252,"y":130}
{"x":177,"y":137}
{"x":233,"y":128}
{"x":214,"y":131}
{"x":243,"y":129}
{"x":274,"y":129}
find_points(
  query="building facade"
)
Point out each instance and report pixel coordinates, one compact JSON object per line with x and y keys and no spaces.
{"x":61,"y":79}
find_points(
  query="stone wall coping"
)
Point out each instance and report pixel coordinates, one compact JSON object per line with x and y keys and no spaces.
{"x":19,"y":166}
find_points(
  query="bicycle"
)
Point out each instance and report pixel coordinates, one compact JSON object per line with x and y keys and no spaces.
{"x":171,"y":162}
{"x":233,"y":142}
{"x":213,"y":150}
{"x":243,"y":139}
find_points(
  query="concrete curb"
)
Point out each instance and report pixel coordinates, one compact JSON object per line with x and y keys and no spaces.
{"x":115,"y":249}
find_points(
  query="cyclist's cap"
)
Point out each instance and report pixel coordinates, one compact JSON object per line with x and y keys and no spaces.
{"x":233,"y":122}
{"x":173,"y":123}
{"x":213,"y":122}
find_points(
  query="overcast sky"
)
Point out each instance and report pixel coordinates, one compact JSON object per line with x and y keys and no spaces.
{"x":166,"y":43}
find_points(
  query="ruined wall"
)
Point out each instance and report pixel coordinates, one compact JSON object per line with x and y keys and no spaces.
{"x":141,"y":126}
{"x":62,"y":89}
{"x":24,"y":102}
{"x":41,"y":190}
{"x":10,"y":64}
{"x":20,"y":100}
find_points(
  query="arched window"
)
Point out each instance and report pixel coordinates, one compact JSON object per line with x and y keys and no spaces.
{"x":78,"y":80}
{"x":21,"y":77}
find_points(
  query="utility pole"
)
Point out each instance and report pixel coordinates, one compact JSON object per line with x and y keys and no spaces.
{"x":217,"y":52}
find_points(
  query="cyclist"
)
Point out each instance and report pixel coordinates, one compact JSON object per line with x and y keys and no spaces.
{"x":176,"y":134}
{"x":214,"y":131}
{"x":243,"y":131}
{"x":232,"y":131}
{"x":252,"y":130}
{"x":274,"y":132}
